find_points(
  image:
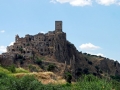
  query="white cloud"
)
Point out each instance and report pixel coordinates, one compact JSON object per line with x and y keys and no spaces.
{"x":63,"y":1}
{"x":97,"y":54}
{"x":11,"y":43}
{"x":2,"y":31}
{"x":74,"y":2}
{"x":53,"y":1}
{"x":81,"y":2}
{"x":87,"y":2}
{"x":88,"y":46}
{"x":118,"y":3}
{"x":42,"y":32}
{"x":2,"y":49}
{"x":106,"y":2}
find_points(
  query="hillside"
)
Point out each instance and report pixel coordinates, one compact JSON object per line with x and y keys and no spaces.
{"x":103,"y":65}
{"x":52,"y":52}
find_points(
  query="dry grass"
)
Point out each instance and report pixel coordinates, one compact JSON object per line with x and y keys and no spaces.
{"x":44,"y":77}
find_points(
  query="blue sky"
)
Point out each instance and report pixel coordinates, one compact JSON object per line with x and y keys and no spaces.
{"x":93,"y":26}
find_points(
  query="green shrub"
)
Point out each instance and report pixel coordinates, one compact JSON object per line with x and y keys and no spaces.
{"x":12,"y":68}
{"x":38,"y":61}
{"x":24,"y":83}
{"x":117,"y":78}
{"x":51,"y":67}
{"x":116,"y":85}
{"x":2,"y":75}
{"x":4,"y":70}
{"x":90,"y":82}
{"x":68,"y":77}
{"x":28,"y":83}
{"x":21,"y":50}
{"x":78,"y":72}
{"x":32,"y":68}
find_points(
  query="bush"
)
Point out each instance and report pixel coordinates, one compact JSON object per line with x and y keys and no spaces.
{"x":21,"y":50}
{"x":117,"y":78}
{"x":68,"y":77}
{"x":2,"y":75}
{"x":38,"y":61}
{"x":12,"y":68}
{"x":89,"y":62}
{"x":51,"y":67}
{"x":28,"y":83}
{"x":90,"y":82}
{"x":85,"y":71}
{"x":32,"y":68}
{"x":24,"y":83}
{"x":4,"y":70}
{"x":78,"y":72}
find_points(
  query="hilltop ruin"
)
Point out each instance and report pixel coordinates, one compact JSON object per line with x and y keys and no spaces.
{"x":41,"y":43}
{"x":59,"y":51}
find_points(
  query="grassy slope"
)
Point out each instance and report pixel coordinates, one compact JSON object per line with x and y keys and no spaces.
{"x":44,"y":77}
{"x":3,"y":70}
{"x":88,"y":82}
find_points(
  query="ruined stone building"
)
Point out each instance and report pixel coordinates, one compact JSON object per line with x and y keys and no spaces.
{"x":44,"y":44}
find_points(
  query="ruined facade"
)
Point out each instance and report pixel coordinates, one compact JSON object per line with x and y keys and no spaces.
{"x":40,"y":43}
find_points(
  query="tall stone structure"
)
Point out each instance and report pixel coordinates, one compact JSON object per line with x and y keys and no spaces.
{"x":16,"y":38}
{"x":58,"y":26}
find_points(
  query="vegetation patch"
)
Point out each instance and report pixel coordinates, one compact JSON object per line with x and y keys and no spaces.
{"x":3,"y":70}
{"x":68,"y":77}
{"x":38,"y":60}
{"x":11,"y":68}
{"x":32,"y":68}
{"x":51,"y":67}
{"x":21,"y":70}
{"x":29,"y":82}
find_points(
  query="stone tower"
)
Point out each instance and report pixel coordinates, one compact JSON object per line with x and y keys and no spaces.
{"x":16,"y":38}
{"x":58,"y":26}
